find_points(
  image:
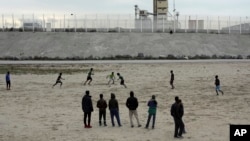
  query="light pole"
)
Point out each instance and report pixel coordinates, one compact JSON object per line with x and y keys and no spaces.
{"x":177,"y":14}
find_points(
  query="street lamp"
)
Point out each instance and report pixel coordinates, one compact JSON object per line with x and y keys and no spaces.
{"x":177,"y":15}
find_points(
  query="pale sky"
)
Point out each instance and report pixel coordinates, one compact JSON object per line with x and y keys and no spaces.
{"x":185,"y":7}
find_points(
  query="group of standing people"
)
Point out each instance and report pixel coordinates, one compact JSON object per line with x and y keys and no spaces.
{"x":113,"y":105}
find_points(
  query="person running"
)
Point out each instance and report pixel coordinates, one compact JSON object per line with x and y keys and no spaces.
{"x":87,"y":108}
{"x":7,"y":78}
{"x":172,"y":79}
{"x":111,"y":78}
{"x":177,"y":112}
{"x":59,"y":78}
{"x":102,"y":105}
{"x":114,"y":110}
{"x":89,"y":78}
{"x":217,"y":85}
{"x":132,"y":105}
{"x":122,"y":80}
{"x":152,"y":104}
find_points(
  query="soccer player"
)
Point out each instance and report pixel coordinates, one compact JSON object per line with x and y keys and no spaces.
{"x":89,"y":78}
{"x":122,"y":80}
{"x":59,"y":78}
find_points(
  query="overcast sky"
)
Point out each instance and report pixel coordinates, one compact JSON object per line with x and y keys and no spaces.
{"x":185,"y":7}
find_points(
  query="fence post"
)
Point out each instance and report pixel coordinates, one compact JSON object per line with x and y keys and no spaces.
{"x":229,"y":28}
{"x":163,"y":22}
{"x":54,"y":25}
{"x":196,"y":25}
{"x":141,"y":24}
{"x":3,"y":22}
{"x":64,"y":22}
{"x":152,"y":25}
{"x":13,"y":26}
{"x":185,"y":23}
{"x":218,"y":24}
{"x":33,"y":27}
{"x":85,"y":23}
{"x":96,"y":23}
{"x":207,"y":24}
{"x":23,"y":22}
{"x":240,"y":25}
{"x":43,"y":24}
{"x":75,"y":22}
{"x":130,"y":23}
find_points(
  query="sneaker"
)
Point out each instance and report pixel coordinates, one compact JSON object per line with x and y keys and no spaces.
{"x":89,"y":126}
{"x":139,"y":125}
{"x":153,"y":127}
{"x":132,"y":126}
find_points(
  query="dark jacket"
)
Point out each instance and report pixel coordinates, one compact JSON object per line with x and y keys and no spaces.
{"x":102,"y":104}
{"x":87,"y":104}
{"x":132,"y":103}
{"x":177,"y":110}
{"x":113,"y":103}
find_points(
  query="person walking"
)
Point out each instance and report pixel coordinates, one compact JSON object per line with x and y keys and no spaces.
{"x":132,"y":105}
{"x":7,"y":78}
{"x":102,"y":105}
{"x":177,"y":112}
{"x":87,"y":108}
{"x":89,"y":78}
{"x":114,"y":110}
{"x":217,"y":85}
{"x":152,"y":104}
{"x":172,"y":79}
{"x":59,"y":80}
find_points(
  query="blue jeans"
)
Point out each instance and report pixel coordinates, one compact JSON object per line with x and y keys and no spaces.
{"x":115,"y":113}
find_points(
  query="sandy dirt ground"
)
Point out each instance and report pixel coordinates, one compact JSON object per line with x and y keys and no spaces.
{"x":33,"y":111}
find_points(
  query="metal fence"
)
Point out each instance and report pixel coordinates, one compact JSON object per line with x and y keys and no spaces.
{"x":123,"y":23}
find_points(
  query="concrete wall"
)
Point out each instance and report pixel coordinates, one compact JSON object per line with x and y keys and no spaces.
{"x":106,"y":44}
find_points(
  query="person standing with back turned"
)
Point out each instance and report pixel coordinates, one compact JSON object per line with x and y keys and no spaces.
{"x":7,"y":78}
{"x":132,"y":104}
{"x":152,"y":104}
{"x":114,"y":110}
{"x":87,"y":108}
{"x":102,"y":105}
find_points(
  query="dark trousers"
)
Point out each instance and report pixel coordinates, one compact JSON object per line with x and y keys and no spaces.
{"x":114,"y":113}
{"x":87,"y":115}
{"x":8,"y":84}
{"x":102,"y":114}
{"x":149,"y":118}
{"x":179,"y":127}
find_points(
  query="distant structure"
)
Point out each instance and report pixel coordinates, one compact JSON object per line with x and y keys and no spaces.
{"x":160,"y":14}
{"x":160,"y":8}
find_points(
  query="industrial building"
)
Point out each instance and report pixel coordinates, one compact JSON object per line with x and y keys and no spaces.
{"x":158,"y":19}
